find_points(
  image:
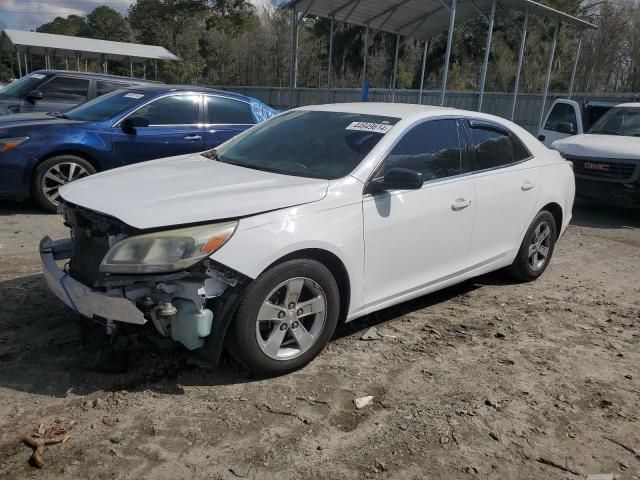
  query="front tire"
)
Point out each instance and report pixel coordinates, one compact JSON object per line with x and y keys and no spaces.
{"x":537,"y":248}
{"x":55,"y":172}
{"x":285,"y":318}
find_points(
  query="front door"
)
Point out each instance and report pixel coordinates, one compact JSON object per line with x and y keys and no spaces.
{"x":562,"y":121}
{"x":416,"y":238}
{"x":174,"y":129}
{"x":58,"y":95}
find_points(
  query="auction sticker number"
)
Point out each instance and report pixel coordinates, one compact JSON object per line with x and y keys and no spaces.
{"x":369,"y":127}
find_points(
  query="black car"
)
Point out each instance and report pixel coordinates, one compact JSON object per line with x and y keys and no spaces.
{"x":59,"y":90}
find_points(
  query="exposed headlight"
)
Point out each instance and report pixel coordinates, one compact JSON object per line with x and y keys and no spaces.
{"x":7,"y":144}
{"x":166,"y":251}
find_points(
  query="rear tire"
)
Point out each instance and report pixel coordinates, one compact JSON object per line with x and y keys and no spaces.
{"x":537,"y":248}
{"x":285,"y":318}
{"x":55,"y":172}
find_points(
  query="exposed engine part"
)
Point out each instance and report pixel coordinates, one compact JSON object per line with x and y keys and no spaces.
{"x":167,"y":310}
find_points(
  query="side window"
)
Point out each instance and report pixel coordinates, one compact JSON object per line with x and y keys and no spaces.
{"x":226,"y":110}
{"x":520,"y":152}
{"x":492,"y":147}
{"x":103,"y":86}
{"x":432,"y":148}
{"x":65,"y":88}
{"x":174,"y":110}
{"x":561,"y":118}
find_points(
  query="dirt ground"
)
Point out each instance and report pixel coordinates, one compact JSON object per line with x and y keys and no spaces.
{"x":489,"y":379}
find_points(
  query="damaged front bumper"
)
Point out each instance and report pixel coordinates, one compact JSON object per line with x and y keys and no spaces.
{"x":78,"y":296}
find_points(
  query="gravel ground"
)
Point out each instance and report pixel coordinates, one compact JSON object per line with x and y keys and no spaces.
{"x":489,"y":379}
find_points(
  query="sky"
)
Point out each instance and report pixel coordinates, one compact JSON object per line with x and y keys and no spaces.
{"x":29,"y":14}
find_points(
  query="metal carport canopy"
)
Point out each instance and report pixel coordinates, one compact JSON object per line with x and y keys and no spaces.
{"x":418,"y":18}
{"x":422,"y":19}
{"x":65,"y":45}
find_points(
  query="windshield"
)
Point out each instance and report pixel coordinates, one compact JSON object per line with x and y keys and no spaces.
{"x":619,"y":121}
{"x":307,"y":143}
{"x":21,"y":86}
{"x":106,"y":106}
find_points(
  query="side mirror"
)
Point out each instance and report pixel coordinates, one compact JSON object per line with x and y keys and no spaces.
{"x":34,"y":95}
{"x":566,"y":127}
{"x":399,"y":179}
{"x":129,"y":124}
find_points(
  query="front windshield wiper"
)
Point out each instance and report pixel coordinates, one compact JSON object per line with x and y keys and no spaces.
{"x":58,"y":115}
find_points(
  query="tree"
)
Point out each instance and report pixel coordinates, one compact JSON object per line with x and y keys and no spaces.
{"x":107,"y":24}
{"x":73,"y":25}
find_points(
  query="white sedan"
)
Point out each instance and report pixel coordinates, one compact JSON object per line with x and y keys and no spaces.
{"x":320,"y":215}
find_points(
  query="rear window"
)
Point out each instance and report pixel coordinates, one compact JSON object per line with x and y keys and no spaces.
{"x":107,"y":106}
{"x":105,"y":86}
{"x":308,"y":143}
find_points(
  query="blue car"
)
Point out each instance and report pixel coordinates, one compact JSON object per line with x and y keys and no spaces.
{"x":39,"y":152}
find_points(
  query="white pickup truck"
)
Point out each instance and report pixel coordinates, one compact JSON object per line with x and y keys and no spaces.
{"x":569,"y":117}
{"x":606,"y":159}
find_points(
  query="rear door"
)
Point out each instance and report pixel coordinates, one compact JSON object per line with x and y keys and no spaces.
{"x":507,"y":188}
{"x":59,"y":94}
{"x":563,"y":120}
{"x":225,"y":118}
{"x":175,"y":128}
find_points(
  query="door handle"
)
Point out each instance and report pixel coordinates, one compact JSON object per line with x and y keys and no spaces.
{"x":193,"y":137}
{"x":460,"y":204}
{"x":526,"y":186}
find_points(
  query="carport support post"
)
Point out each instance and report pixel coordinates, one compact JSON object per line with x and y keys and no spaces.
{"x":330,"y":64}
{"x":130,"y":67}
{"x":575,"y":67}
{"x":424,"y":67}
{"x":292,"y":55}
{"x":549,"y":67}
{"x":365,"y":56}
{"x":523,"y":41}
{"x":485,"y":64}
{"x":395,"y":69}
{"x":447,"y":56}
{"x":19,"y":62}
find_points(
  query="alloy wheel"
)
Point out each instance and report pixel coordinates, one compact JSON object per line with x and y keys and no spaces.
{"x":58,"y":175}
{"x":540,"y":246}
{"x":291,"y":318}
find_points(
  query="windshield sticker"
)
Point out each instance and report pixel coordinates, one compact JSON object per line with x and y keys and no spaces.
{"x":369,"y":127}
{"x":37,"y":76}
{"x":134,"y":95}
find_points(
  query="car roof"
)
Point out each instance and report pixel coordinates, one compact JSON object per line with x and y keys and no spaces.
{"x":397,"y":110}
{"x":631,"y":105}
{"x":159,"y":89}
{"x":98,"y":76}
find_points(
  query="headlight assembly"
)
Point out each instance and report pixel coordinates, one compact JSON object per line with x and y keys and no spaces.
{"x":7,"y":144}
{"x":166,"y":251}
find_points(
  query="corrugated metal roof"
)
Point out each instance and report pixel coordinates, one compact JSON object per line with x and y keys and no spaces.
{"x":417,"y":18}
{"x":63,"y":45}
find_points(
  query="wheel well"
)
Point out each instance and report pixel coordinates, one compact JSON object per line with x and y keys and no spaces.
{"x":556,"y":211}
{"x":335,"y":266}
{"x":76,"y":153}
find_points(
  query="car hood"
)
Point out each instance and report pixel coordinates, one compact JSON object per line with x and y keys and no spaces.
{"x":189,"y":189}
{"x":599,"y":146}
{"x":30,"y":120}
